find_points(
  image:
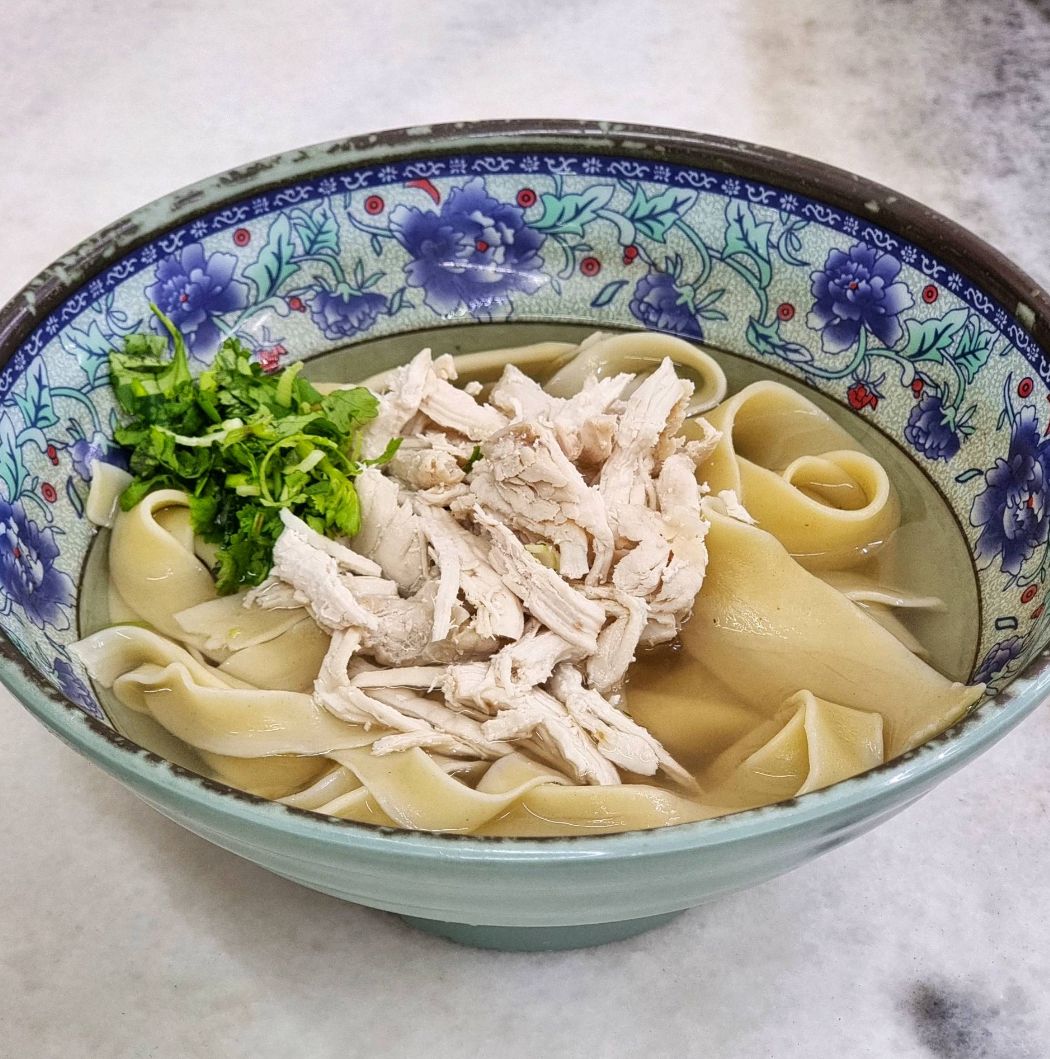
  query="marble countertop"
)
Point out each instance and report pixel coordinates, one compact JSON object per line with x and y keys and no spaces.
{"x":123,"y":936}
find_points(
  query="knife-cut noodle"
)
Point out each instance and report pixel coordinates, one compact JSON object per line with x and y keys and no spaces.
{"x":591,"y":594}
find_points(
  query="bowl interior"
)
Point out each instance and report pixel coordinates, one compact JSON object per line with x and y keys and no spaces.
{"x":475,"y":243}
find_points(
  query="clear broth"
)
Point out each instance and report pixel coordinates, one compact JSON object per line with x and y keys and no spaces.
{"x":950,"y":635}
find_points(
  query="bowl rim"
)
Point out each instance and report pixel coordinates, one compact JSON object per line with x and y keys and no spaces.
{"x":158,"y":779}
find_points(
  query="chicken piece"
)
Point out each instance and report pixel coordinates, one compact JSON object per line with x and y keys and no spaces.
{"x":333,"y":679}
{"x":517,"y":667}
{"x":536,"y":715}
{"x":444,"y":496}
{"x":362,"y":586}
{"x":677,"y":490}
{"x":546,"y":596}
{"x":651,"y":416}
{"x":645,"y":549}
{"x":346,"y":557}
{"x":419,"y":464}
{"x":699,"y":449}
{"x":529,"y":717}
{"x":455,"y":409}
{"x":398,"y":405}
{"x":314,"y":576}
{"x":420,"y":721}
{"x":447,"y":593}
{"x":522,"y":398}
{"x":618,"y":641}
{"x":528,"y":481}
{"x":451,"y":732}
{"x":471,"y":686}
{"x":403,"y":627}
{"x":464,"y":643}
{"x":686,"y":529}
{"x":626,"y":744}
{"x":499,"y":612}
{"x":531,"y":660}
{"x":460,"y":447}
{"x":640,"y":571}
{"x":426,"y":678}
{"x":273,"y":594}
{"x":390,"y":534}
{"x":594,"y":438}
{"x":682,"y":581}
{"x":584,"y":428}
{"x":733,"y":507}
{"x":661,"y":628}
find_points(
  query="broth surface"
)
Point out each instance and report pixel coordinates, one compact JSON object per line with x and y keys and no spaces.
{"x":927,"y":555}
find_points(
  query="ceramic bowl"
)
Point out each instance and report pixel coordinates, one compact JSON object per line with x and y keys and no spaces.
{"x":473,"y":236}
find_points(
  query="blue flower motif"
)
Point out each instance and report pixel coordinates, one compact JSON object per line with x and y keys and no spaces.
{"x":1013,"y":511}
{"x":28,"y":575}
{"x":343,"y":313}
{"x":86,"y":451}
{"x":856,"y":290}
{"x":999,"y":656}
{"x":472,"y":254}
{"x":73,"y":687}
{"x":661,"y":306}
{"x":931,"y":429}
{"x":191,"y":289}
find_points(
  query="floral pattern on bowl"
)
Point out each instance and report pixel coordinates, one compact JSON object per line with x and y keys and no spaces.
{"x":817,"y":293}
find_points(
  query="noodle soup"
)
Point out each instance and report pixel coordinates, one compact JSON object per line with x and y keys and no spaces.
{"x":560,"y":631}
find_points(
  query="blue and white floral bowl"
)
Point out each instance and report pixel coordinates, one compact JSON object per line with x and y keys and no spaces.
{"x":865,"y":296}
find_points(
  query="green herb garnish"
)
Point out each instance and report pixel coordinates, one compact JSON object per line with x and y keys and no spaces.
{"x":474,"y":457}
{"x":243,"y":444}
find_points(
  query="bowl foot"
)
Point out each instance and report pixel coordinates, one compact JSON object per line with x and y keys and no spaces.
{"x":539,"y":939}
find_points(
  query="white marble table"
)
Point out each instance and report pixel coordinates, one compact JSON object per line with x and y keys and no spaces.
{"x":121,"y":935}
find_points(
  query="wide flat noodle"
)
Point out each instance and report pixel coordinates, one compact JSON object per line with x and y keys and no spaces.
{"x":152,"y":564}
{"x":801,"y":477}
{"x":517,"y":797}
{"x":558,"y":809}
{"x":266,"y":777}
{"x":224,"y":625}
{"x":207,"y":709}
{"x":514,"y":797}
{"x":606,"y":355}
{"x":332,"y":784}
{"x":810,"y":744}
{"x":769,"y":628}
{"x":880,"y":600}
{"x":289,"y":662}
{"x":415,"y":792}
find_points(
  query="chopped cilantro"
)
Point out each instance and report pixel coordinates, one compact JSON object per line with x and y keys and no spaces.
{"x":474,"y":457}
{"x":243,"y":444}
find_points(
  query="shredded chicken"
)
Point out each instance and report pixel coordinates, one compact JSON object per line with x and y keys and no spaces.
{"x":544,"y":593}
{"x":390,"y":535}
{"x":514,"y":556}
{"x":527,"y":481}
{"x":651,"y":416}
{"x":420,"y":463}
{"x":498,"y":610}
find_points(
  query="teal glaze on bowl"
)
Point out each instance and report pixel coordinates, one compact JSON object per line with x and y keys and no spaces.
{"x":886,"y":308}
